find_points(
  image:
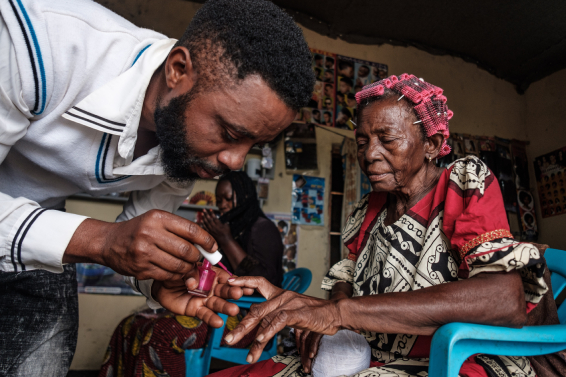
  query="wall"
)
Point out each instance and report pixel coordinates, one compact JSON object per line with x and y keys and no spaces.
{"x":483,"y":105}
{"x":546,"y":129}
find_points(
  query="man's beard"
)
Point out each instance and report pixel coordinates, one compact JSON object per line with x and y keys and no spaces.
{"x":177,"y":153}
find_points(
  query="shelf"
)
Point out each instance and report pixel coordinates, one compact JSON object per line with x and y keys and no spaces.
{"x":123,"y":199}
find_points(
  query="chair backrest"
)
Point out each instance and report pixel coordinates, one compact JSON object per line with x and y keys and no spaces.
{"x":297,"y":280}
{"x":556,"y":262}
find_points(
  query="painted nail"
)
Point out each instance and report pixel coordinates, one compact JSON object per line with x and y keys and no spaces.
{"x":249,"y":359}
{"x":228,"y":338}
{"x":311,"y":355}
{"x":260,"y":338}
{"x":232,"y":279}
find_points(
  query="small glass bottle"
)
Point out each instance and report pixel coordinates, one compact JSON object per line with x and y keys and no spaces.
{"x":206,"y":279}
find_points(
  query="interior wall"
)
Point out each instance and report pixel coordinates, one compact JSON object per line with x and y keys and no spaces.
{"x":546,"y":130}
{"x":483,"y":105}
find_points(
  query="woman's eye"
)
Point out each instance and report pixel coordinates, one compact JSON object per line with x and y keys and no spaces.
{"x":387,"y":140}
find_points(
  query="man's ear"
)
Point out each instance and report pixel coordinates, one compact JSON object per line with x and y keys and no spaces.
{"x":433,"y":145}
{"x":180,"y":74}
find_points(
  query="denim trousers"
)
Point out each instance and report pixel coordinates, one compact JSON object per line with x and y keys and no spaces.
{"x":38,"y":322}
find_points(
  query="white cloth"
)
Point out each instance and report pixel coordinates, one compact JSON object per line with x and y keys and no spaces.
{"x":342,"y":354}
{"x":73,"y":77}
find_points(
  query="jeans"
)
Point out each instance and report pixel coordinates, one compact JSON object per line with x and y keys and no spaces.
{"x":38,"y":322}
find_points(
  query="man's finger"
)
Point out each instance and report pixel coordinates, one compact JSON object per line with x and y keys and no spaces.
{"x":191,"y":232}
{"x":219,"y":305}
{"x":170,"y":263}
{"x":208,"y":316}
{"x":227,"y":292}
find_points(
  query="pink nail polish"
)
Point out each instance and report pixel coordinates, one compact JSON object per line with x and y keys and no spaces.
{"x":206,"y":280}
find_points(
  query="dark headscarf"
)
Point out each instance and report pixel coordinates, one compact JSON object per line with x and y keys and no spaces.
{"x":243,"y":215}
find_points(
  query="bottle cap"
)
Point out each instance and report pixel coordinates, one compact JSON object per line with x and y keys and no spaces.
{"x":213,"y":258}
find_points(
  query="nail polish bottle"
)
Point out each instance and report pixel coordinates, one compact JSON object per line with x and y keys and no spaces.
{"x":206,"y":279}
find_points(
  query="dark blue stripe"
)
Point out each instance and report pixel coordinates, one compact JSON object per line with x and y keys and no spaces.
{"x":24,"y":236}
{"x":99,"y":169}
{"x":39,"y":57}
{"x":13,"y":254}
{"x":139,"y":54}
{"x":31,"y":58}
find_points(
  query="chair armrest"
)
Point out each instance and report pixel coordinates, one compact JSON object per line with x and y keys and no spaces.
{"x":247,"y":301}
{"x":453,"y":343}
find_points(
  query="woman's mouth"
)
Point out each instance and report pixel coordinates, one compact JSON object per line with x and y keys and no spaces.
{"x":376,"y":177}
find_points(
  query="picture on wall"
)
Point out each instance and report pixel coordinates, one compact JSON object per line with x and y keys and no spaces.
{"x":550,"y":175}
{"x":352,"y":76}
{"x":289,"y":236}
{"x":320,"y":109}
{"x":95,"y":278}
{"x":307,"y":200}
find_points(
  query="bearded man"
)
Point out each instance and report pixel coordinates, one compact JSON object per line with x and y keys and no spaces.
{"x":90,"y":103}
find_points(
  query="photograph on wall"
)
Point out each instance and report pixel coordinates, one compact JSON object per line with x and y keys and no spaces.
{"x":320,"y":109}
{"x":352,"y":76}
{"x":307,"y":200}
{"x":300,"y":148}
{"x":95,"y":278}
{"x":550,"y":175}
{"x":289,"y":236}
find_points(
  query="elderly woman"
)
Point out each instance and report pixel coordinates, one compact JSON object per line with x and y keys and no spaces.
{"x":420,"y":227}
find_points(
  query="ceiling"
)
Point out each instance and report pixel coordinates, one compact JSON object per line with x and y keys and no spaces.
{"x":520,"y":41}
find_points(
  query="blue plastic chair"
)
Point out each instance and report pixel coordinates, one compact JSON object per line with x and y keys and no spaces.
{"x":197,"y":361}
{"x":453,"y":343}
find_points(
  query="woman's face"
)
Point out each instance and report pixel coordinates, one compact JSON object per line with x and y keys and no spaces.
{"x":391,"y":150}
{"x":225,"y":197}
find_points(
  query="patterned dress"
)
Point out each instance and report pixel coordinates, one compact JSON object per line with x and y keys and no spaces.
{"x":457,"y":231}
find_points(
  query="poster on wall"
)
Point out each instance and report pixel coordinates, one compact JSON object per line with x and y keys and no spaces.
{"x":550,"y":175}
{"x":289,"y":236}
{"x":300,"y":148}
{"x":320,"y":109}
{"x":95,"y":278}
{"x":307,"y":200}
{"x":352,"y":76}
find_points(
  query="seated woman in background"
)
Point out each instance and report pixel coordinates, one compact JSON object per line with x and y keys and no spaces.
{"x":148,"y":344}
{"x":421,"y":227}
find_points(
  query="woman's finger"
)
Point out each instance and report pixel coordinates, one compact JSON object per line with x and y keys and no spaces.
{"x":220,"y":305}
{"x":298,"y":339}
{"x":311,"y":349}
{"x":303,"y":340}
{"x":227,"y":292}
{"x":208,"y":316}
{"x":260,"y":284}
{"x":270,"y":326}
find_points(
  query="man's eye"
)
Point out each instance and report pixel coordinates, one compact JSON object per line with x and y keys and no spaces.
{"x":229,"y":137}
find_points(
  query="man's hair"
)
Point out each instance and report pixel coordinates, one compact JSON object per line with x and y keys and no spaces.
{"x":245,"y":37}
{"x":346,"y":80}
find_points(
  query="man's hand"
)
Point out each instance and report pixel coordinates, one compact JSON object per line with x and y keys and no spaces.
{"x":173,"y":296}
{"x":156,"y":245}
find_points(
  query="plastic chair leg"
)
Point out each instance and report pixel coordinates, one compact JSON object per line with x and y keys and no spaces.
{"x":196,"y":363}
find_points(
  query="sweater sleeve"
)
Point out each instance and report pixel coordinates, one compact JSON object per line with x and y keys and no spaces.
{"x":31,"y":237}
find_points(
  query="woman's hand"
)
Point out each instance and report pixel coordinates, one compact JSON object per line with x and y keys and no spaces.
{"x":282,"y":308}
{"x":307,"y":345}
{"x":173,"y":296}
{"x":217,"y":229}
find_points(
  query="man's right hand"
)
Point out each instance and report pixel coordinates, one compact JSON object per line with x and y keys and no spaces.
{"x":156,"y":245}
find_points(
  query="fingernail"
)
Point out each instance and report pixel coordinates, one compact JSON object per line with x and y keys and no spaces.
{"x":232,"y":279}
{"x":311,"y":355}
{"x":228,"y":338}
{"x":260,"y":337}
{"x":249,"y":359}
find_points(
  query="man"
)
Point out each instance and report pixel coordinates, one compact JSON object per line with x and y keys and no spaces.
{"x":329,"y":75}
{"x":91,"y":103}
{"x":316,"y":116}
{"x":328,"y":90}
{"x":345,"y":85}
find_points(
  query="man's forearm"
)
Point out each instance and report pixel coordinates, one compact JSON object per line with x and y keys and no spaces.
{"x":87,"y":243}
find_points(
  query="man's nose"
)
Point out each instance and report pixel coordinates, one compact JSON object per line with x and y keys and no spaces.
{"x":233,"y":159}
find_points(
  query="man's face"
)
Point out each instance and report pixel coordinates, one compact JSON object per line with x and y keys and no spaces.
{"x":344,"y":87}
{"x":328,"y":90}
{"x":209,"y":133}
{"x":326,"y":118}
{"x":363,"y":71}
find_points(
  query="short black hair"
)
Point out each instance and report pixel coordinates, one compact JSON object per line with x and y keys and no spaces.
{"x":346,"y":80}
{"x":252,"y":37}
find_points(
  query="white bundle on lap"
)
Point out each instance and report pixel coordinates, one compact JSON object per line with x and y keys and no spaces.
{"x":342,"y":354}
